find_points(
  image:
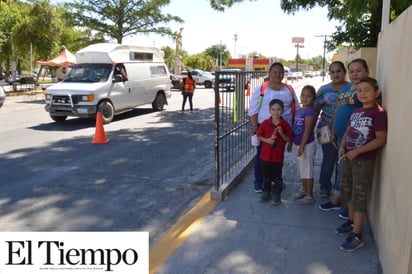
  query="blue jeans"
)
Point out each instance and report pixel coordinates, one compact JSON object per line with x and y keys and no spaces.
{"x":185,"y":96}
{"x":258,"y":169}
{"x":329,"y":163}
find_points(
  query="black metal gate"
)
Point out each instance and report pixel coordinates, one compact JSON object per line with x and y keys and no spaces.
{"x":233,"y":149}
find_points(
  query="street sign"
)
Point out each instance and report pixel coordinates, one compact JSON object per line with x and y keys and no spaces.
{"x":300,"y":46}
{"x":298,"y":40}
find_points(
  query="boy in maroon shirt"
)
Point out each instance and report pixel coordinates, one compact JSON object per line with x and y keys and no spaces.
{"x":365,"y":135}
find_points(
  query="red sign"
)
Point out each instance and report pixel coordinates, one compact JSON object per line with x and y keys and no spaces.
{"x":298,"y":40}
{"x":260,"y":61}
{"x":237,"y":61}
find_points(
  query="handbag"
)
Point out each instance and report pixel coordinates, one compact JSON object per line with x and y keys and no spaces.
{"x":324,"y":135}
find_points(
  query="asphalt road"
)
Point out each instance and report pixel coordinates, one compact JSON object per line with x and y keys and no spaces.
{"x":156,"y":165}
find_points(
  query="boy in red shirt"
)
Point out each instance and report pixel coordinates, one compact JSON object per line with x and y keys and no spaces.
{"x":274,"y":133}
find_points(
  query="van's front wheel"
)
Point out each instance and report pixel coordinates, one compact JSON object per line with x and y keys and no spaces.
{"x":107,"y":111}
{"x":159,"y":102}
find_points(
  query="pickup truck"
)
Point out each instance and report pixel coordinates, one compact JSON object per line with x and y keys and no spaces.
{"x":202,"y":78}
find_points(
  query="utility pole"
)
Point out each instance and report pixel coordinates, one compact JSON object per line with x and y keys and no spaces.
{"x":298,"y":41}
{"x":324,"y":53}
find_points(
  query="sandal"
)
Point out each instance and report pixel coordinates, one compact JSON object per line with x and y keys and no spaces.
{"x":306,"y":201}
{"x":300,"y":195}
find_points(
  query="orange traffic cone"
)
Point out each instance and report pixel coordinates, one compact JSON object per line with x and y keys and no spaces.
{"x":99,"y":135}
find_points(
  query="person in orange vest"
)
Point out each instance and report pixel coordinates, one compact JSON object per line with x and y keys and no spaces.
{"x":189,"y":86}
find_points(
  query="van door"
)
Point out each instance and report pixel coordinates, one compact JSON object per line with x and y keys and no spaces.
{"x":138,"y":84}
{"x":120,"y":93}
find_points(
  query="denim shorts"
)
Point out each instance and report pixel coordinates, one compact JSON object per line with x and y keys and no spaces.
{"x":356,"y":180}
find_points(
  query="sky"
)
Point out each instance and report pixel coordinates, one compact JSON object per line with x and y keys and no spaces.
{"x":261,"y":26}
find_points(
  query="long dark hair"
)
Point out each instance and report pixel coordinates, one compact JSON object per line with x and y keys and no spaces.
{"x":342,"y":65}
{"x":189,"y":74}
{"x":361,"y":61}
{"x":277,"y":64}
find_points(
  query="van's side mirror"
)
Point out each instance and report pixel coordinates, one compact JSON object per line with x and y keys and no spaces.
{"x":117,"y":78}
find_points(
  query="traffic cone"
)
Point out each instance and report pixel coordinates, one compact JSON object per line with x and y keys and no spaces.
{"x":99,"y":135}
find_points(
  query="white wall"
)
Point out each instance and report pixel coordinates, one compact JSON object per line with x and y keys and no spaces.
{"x":390,"y":208}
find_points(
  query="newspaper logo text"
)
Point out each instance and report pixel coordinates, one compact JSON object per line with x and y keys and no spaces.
{"x":21,"y":253}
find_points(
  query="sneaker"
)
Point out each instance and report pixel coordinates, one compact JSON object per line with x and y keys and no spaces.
{"x":276,"y":200}
{"x":306,"y":201}
{"x":300,"y":195}
{"x":329,"y":206}
{"x":344,"y":229}
{"x":344,"y":215}
{"x":258,"y":190}
{"x":265,"y":197}
{"x":352,"y":243}
{"x":324,"y":194}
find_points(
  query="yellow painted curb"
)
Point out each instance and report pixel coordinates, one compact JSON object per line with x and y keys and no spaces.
{"x":179,"y":233}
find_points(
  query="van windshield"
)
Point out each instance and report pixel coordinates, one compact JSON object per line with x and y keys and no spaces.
{"x":89,"y":73}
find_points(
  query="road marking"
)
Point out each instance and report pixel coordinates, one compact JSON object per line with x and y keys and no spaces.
{"x":179,"y":233}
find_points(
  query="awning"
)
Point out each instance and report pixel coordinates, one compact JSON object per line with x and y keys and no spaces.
{"x":65,"y":58}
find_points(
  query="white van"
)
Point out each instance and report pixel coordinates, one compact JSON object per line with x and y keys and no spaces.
{"x":111,"y":79}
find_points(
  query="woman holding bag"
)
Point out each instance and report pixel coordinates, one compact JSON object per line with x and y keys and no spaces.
{"x":325,"y":104}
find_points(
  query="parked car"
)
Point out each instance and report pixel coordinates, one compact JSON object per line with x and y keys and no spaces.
{"x":310,"y":74}
{"x":293,"y":75}
{"x":203,"y":78}
{"x":227,"y":81}
{"x":2,"y":96}
{"x":176,"y":80}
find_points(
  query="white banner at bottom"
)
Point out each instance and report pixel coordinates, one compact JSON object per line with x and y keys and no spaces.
{"x":74,"y":252}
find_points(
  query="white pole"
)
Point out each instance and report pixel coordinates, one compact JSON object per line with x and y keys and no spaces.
{"x":220,"y":61}
{"x":31,"y":58}
{"x":386,"y":4}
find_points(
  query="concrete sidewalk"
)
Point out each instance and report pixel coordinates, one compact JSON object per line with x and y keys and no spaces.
{"x":242,"y":235}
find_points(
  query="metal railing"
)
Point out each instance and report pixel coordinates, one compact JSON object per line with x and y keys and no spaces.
{"x":233,"y":149}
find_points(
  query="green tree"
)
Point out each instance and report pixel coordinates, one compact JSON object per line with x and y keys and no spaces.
{"x":10,"y":15}
{"x":317,"y":63}
{"x":193,"y":62}
{"x":360,"y":20}
{"x":40,"y":29}
{"x":169,"y":57}
{"x":118,"y":19}
{"x":219,"y":53}
{"x":72,"y":37}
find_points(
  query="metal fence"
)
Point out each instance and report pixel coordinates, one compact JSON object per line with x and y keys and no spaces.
{"x":233,"y":149}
